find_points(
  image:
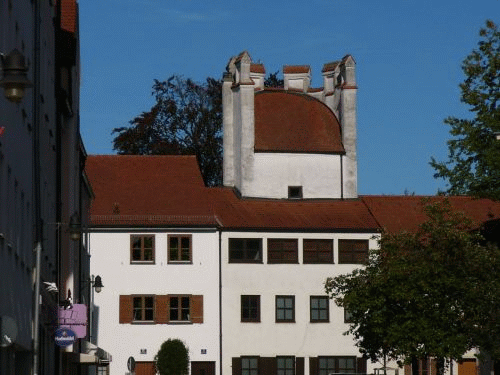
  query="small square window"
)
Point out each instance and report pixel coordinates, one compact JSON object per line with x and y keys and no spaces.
{"x":250,"y":308}
{"x":285,"y":309}
{"x":320,"y":309}
{"x":180,"y":249}
{"x":295,"y":192}
{"x":142,"y":249}
{"x":285,"y":365}
{"x":249,"y":365}
{"x":347,"y":316}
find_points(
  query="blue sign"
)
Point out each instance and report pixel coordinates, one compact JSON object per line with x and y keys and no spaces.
{"x":64,"y":337}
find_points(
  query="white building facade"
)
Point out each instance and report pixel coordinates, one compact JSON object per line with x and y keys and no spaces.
{"x":276,"y":317}
{"x":161,"y":295}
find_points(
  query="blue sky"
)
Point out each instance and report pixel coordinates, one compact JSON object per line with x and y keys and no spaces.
{"x":408,"y":56}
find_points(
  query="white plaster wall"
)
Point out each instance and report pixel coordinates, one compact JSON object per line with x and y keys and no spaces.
{"x":318,"y":174}
{"x":268,"y":338}
{"x":110,"y":258}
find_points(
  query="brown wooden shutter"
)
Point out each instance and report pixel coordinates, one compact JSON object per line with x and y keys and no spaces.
{"x":236,"y":368}
{"x":407,"y":370}
{"x":197,"y":309}
{"x":162,"y":309}
{"x":313,"y":365}
{"x":361,"y":365}
{"x":299,"y":365}
{"x":126,"y":311}
{"x":267,"y":366}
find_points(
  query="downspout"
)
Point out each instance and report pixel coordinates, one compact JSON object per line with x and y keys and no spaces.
{"x":341,"y":176}
{"x":36,"y":178}
{"x":220,"y":301}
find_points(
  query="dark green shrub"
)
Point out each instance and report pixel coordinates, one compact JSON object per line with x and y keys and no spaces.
{"x":172,"y":358}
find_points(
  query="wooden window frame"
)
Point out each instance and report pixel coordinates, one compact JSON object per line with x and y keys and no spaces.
{"x":180,"y":248}
{"x":319,"y":309}
{"x":285,"y":320}
{"x":282,"y":251}
{"x":143,"y":308}
{"x":251,"y":370}
{"x":142,"y":249}
{"x":180,"y":309}
{"x":285,"y":370}
{"x":348,"y":254}
{"x":336,"y":368}
{"x":246,"y":308}
{"x":308,"y":243}
{"x":246,"y":258}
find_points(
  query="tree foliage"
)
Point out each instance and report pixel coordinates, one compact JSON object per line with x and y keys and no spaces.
{"x":474,"y":153}
{"x":272,"y":80}
{"x":172,"y":358}
{"x":433,"y":293}
{"x":185,"y":120}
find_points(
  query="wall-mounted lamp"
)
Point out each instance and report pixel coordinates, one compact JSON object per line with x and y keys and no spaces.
{"x":75,"y":228}
{"x":14,"y":79}
{"x":97,"y":284}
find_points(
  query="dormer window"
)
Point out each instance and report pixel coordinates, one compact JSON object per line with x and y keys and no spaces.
{"x":295,"y":192}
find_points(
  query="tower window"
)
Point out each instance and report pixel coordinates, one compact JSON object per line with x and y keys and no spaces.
{"x":294,"y":192}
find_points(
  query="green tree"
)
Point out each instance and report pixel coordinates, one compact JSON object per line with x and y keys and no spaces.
{"x":172,"y":358}
{"x":185,"y":120}
{"x":473,"y":165}
{"x":272,"y":80}
{"x":431,"y":293}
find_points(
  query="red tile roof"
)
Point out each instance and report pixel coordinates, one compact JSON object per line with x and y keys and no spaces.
{"x":288,"y":121}
{"x":69,"y":15}
{"x":330,"y":67}
{"x":257,"y":68}
{"x":271,"y":214}
{"x":147,"y":190}
{"x":293,"y":69}
{"x":397,"y":213}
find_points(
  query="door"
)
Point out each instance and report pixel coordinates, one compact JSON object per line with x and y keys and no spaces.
{"x":145,"y":368}
{"x":202,"y":368}
{"x":467,"y":367}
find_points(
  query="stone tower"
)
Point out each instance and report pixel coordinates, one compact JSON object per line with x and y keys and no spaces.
{"x":294,"y":142}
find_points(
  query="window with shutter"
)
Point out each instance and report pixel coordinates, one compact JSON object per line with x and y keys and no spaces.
{"x":353,"y":251}
{"x":282,"y":250}
{"x":318,"y":251}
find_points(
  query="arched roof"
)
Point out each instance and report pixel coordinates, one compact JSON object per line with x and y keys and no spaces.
{"x":287,"y":121}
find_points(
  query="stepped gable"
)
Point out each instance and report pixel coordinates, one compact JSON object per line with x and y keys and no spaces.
{"x":331,"y":215}
{"x":398,"y":213}
{"x":287,"y":121}
{"x":147,"y":191}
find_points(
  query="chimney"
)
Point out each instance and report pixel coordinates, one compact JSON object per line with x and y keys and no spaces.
{"x":297,"y":77}
{"x":257,"y":75}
